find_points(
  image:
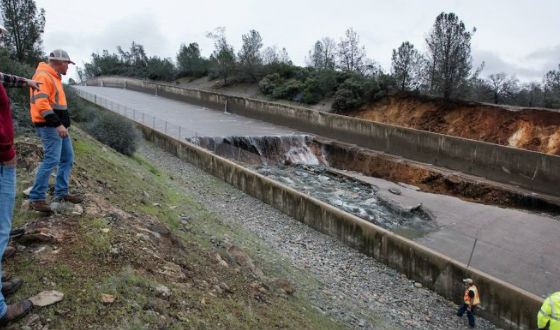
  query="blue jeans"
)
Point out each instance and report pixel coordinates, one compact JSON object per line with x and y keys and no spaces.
{"x":7,"y":200}
{"x":58,"y":152}
{"x":470,"y":313}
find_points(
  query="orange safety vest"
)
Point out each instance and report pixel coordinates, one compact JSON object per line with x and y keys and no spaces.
{"x":476,"y":299}
{"x":50,"y":95}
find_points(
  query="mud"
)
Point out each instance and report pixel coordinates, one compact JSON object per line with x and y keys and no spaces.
{"x":525,"y":128}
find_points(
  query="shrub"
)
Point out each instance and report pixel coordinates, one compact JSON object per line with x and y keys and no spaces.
{"x":312,"y":91}
{"x":114,"y":131}
{"x":289,"y":90}
{"x":269,"y":83}
{"x":353,"y":93}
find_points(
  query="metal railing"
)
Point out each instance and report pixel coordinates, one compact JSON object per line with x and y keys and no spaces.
{"x":170,"y":129}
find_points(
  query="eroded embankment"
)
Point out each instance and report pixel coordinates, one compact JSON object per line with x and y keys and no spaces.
{"x":526,"y":128}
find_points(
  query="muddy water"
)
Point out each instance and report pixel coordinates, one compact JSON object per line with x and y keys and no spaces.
{"x":299,"y":162}
{"x":350,"y":195}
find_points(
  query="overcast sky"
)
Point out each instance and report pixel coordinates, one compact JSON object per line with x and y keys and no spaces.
{"x":518,"y":37}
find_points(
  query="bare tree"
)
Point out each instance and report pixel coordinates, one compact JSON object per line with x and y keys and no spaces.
{"x":223,"y":56}
{"x":502,"y":86}
{"x":350,"y":53}
{"x":323,"y":54}
{"x":449,"y":55}
{"x":406,"y":66}
{"x":273,"y":55}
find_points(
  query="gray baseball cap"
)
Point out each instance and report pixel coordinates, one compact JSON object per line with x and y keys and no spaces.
{"x":60,"y":55}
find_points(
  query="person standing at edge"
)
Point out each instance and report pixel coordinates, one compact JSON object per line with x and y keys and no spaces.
{"x":49,"y":113}
{"x":9,"y":313}
{"x":549,"y":314}
{"x":471,"y":300}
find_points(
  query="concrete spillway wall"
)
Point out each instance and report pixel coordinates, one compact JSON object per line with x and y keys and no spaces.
{"x":504,"y":304}
{"x":531,"y":170}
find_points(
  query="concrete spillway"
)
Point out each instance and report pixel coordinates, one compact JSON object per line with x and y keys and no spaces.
{"x":518,"y":246}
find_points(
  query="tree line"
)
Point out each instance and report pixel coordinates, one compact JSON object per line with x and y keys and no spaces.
{"x":340,"y":69}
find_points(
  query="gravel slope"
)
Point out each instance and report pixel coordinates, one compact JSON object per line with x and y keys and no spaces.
{"x":353,"y":288}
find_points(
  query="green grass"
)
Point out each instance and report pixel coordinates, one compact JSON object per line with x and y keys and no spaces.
{"x":84,"y":267}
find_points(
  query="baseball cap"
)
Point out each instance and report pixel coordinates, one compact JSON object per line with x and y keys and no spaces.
{"x":60,"y":55}
{"x":468,"y":281}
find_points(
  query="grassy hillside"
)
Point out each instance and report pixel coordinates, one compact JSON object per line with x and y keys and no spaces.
{"x":165,"y":260}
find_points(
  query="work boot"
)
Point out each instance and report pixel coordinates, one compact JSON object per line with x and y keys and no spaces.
{"x":74,"y":199}
{"x":40,"y":206}
{"x":9,"y":252}
{"x":10,"y":287}
{"x":16,"y":311}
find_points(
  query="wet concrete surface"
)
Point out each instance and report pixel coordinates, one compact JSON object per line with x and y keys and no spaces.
{"x":520,"y":247}
{"x":517,"y":246}
{"x":193,"y":119}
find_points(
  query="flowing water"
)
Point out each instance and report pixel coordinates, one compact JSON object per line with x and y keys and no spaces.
{"x":298,"y":161}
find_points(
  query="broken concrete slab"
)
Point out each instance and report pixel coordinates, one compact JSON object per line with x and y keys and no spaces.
{"x":398,"y":204}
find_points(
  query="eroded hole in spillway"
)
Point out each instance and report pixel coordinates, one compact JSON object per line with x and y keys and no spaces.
{"x":301,"y":162}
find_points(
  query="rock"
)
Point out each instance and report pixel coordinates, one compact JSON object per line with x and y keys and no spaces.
{"x":56,"y":207}
{"x":286,"y":285}
{"x":47,"y":298}
{"x":25,"y":205}
{"x":77,"y":210}
{"x":43,"y":235}
{"x":156,"y":204}
{"x":162,"y":291}
{"x":395,"y":191}
{"x":225,"y":287}
{"x":105,"y":230}
{"x":221,"y":261}
{"x":27,"y":191}
{"x":107,"y":298}
{"x":417,"y":285}
{"x":408,"y":186}
{"x":31,"y":319}
{"x":243,"y":260}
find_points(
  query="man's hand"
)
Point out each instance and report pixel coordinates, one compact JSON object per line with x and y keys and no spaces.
{"x":33,"y":84}
{"x":62,"y":131}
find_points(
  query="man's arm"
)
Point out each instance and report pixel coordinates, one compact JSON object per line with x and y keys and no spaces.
{"x":471,"y":298}
{"x":9,"y":80}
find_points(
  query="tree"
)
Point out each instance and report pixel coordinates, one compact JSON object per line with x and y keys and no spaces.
{"x":322,"y":56}
{"x":190,"y":62}
{"x":249,"y":56}
{"x":160,"y":69}
{"x":406,"y":66}
{"x":350,"y":53}
{"x":25,"y":25}
{"x":284,"y":57}
{"x":552,"y":88}
{"x":502,"y":86}
{"x":449,"y":56}
{"x":223,"y":57}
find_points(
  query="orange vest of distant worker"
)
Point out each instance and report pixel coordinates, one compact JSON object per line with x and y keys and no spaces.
{"x":476,"y":298}
{"x":50,"y":96}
